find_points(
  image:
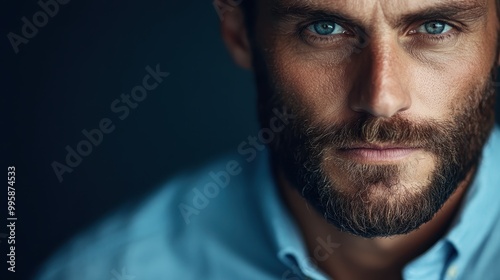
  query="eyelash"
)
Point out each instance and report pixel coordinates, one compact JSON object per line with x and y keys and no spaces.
{"x":315,"y":39}
{"x":309,"y":36}
{"x":438,"y":38}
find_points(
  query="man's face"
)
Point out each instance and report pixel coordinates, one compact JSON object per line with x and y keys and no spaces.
{"x":393,"y":101}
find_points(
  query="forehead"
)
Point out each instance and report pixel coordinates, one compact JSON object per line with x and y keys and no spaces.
{"x":389,"y":5}
{"x":365,"y":13}
{"x":387,"y":8}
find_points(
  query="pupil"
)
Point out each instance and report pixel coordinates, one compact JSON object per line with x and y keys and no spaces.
{"x":324,"y":28}
{"x":435,"y":27}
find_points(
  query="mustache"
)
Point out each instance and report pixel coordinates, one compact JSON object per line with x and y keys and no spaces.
{"x":431,"y":135}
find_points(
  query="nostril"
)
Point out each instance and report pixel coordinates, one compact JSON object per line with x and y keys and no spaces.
{"x":380,"y":104}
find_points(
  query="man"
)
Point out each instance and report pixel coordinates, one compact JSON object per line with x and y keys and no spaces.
{"x":383,"y":159}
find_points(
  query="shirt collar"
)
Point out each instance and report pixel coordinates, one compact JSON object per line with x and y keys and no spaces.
{"x":480,"y":208}
{"x":291,"y":248}
{"x":466,"y":233}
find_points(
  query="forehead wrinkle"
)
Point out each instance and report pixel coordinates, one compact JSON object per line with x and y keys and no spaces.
{"x":339,"y":3}
{"x":396,"y":12}
{"x":465,"y":10}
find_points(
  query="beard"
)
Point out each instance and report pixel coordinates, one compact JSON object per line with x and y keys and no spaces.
{"x":375,"y":200}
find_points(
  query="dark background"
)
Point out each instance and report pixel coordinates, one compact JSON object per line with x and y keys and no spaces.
{"x":64,"y":80}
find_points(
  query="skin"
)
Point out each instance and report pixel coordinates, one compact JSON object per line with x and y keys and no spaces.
{"x":385,"y":65}
{"x":377,"y":258}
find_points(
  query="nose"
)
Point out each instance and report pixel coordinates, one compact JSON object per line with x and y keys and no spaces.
{"x":380,"y":89}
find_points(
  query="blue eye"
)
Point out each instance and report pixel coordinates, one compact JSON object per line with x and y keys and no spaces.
{"x":434,"y":27}
{"x":325,"y":28}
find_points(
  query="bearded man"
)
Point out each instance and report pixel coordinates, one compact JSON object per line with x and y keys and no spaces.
{"x":383,"y":155}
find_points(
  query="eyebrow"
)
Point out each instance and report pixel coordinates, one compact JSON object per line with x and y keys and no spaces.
{"x":290,"y":12}
{"x":465,"y":10}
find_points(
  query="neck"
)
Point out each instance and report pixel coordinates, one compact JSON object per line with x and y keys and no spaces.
{"x":355,"y":257}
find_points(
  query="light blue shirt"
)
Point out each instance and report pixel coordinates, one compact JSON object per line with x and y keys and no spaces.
{"x":227,"y":221}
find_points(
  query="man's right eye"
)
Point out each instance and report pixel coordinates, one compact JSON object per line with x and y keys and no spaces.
{"x":326,"y":28}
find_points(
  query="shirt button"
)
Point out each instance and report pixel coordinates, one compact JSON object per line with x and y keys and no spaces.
{"x":452,"y":272}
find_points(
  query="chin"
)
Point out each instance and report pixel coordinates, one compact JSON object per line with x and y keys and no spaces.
{"x":378,"y":199}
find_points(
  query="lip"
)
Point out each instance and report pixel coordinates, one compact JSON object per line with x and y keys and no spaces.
{"x":377,"y":153}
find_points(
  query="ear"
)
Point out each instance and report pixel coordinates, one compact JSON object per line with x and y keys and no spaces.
{"x":235,"y":35}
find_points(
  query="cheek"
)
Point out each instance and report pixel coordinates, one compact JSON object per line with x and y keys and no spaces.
{"x":454,"y":78}
{"x":437,"y":93}
{"x":316,"y":88}
{"x":318,"y":84}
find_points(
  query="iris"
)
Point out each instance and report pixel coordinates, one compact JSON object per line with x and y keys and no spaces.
{"x":435,"y":27}
{"x":326,"y":28}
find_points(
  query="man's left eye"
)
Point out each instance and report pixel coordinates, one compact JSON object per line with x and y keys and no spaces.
{"x":325,"y":28}
{"x":434,"y":27}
